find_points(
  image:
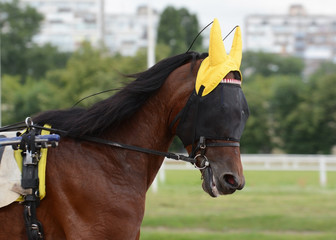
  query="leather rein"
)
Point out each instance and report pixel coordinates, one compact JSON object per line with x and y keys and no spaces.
{"x":201,"y":146}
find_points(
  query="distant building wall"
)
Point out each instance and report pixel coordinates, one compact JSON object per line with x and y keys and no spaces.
{"x":126,"y":33}
{"x":311,"y":37}
{"x":68,"y":23}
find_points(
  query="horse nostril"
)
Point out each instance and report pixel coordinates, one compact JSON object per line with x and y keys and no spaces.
{"x":231,"y":180}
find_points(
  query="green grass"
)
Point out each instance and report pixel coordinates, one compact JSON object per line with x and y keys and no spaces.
{"x":273,"y":205}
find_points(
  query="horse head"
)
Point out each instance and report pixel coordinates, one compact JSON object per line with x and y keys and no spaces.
{"x":212,"y":121}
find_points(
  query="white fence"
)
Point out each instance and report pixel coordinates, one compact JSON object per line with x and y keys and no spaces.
{"x":266,"y":162}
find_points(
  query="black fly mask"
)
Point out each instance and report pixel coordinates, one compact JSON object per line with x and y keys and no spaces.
{"x":220,"y":115}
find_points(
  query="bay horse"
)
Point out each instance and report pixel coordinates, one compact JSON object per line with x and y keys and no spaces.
{"x":95,"y":191}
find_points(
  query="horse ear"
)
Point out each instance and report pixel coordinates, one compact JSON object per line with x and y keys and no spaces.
{"x":217,"y":53}
{"x":236,"y":51}
{"x":218,"y":64}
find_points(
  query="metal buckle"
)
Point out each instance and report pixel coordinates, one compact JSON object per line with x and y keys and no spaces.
{"x":35,"y":227}
{"x":202,"y":143}
{"x":205,"y":161}
{"x":29,"y":122}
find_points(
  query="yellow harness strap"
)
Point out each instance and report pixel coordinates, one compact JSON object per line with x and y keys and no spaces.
{"x":42,"y":164}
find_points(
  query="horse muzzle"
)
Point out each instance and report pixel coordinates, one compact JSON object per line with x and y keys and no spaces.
{"x":227,"y":183}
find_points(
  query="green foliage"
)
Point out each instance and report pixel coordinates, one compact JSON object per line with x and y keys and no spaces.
{"x":321,"y":107}
{"x":267,"y":64}
{"x":266,"y":77}
{"x":22,"y":100}
{"x":326,"y":68}
{"x":18,"y":25}
{"x":287,"y":92}
{"x":41,"y":59}
{"x":257,"y":137}
{"x":19,"y":55}
{"x":88,"y":71}
{"x":177,"y":29}
{"x":288,"y":114}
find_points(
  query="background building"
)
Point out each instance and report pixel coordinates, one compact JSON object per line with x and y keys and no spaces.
{"x":68,"y":23}
{"x":126,"y":33}
{"x":311,"y":37}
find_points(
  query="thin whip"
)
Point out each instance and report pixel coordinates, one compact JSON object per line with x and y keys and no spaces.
{"x":92,"y":95}
{"x":197,"y":36}
{"x":230,"y":32}
{"x":203,"y":30}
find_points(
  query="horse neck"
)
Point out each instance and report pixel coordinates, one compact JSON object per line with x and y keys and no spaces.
{"x":146,"y":129}
{"x":149,"y":127}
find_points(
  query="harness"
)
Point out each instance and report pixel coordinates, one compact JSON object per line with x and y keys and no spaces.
{"x":30,"y":143}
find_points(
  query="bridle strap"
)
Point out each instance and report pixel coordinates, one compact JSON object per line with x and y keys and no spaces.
{"x":200,"y":92}
{"x":223,"y":144}
{"x":121,"y":145}
{"x":200,"y":149}
{"x":138,"y":149}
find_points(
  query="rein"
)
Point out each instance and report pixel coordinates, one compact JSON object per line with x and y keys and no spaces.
{"x":179,"y":157}
{"x":107,"y":142}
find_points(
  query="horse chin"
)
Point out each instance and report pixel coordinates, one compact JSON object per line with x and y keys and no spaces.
{"x":209,"y":184}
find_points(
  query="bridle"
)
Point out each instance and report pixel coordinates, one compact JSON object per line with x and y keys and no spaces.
{"x":200,"y":151}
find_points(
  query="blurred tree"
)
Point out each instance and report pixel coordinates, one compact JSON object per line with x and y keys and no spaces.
{"x":265,"y":77}
{"x":326,"y":68}
{"x":257,"y":135}
{"x":304,"y":112}
{"x":19,"y":55}
{"x":25,"y":99}
{"x":287,"y":113}
{"x":177,"y":29}
{"x":267,"y":64}
{"x":322,"y":103}
{"x":88,"y":71}
{"x":41,"y":59}
{"x":18,"y":25}
{"x":311,"y":126}
{"x":287,"y":93}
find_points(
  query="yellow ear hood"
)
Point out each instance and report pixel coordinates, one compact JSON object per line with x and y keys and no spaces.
{"x":218,"y":64}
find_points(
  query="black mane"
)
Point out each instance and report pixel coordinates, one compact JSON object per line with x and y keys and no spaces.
{"x":110,"y":112}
